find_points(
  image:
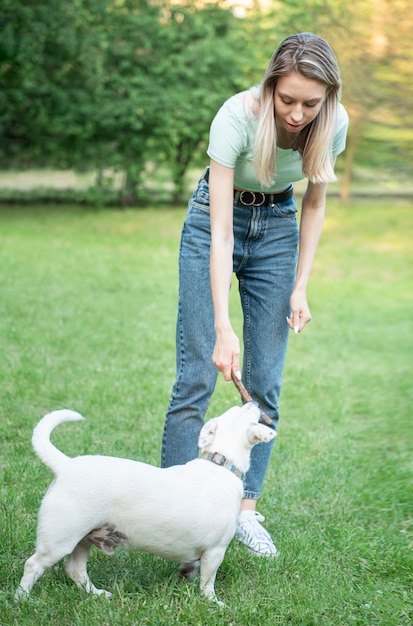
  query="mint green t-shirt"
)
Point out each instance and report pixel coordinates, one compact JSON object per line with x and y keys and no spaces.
{"x":231,"y":143}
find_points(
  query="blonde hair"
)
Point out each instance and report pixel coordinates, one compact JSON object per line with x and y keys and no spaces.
{"x":312,"y":57}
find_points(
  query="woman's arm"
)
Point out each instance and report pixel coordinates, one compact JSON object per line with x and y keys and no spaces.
{"x":311,"y":224}
{"x":226,"y":353}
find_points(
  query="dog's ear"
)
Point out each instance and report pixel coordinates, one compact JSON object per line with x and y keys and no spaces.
{"x":207,"y":434}
{"x":259,"y":432}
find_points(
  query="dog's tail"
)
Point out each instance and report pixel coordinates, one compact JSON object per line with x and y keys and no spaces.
{"x":46,"y":451}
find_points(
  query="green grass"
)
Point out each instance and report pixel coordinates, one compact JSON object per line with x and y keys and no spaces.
{"x":87,"y":317}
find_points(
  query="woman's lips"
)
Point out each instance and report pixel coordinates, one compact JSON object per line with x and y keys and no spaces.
{"x":293,"y":127}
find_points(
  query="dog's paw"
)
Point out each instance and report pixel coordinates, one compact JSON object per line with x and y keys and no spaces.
{"x":21,"y":594}
{"x":212,"y":597}
{"x":102,"y":592}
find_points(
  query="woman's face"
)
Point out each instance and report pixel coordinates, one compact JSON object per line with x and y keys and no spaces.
{"x":297,"y":101}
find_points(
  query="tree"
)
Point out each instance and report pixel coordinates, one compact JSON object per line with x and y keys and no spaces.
{"x":120,"y":83}
{"x":50,"y":80}
{"x":199,"y":67}
{"x":127,"y":109}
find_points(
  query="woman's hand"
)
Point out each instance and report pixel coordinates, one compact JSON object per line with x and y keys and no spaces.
{"x":226,"y":353}
{"x":300,"y":312}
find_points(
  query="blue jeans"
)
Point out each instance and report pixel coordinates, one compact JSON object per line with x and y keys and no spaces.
{"x":264,"y":261}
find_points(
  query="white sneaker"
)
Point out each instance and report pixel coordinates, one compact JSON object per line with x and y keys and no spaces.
{"x":250,"y":532}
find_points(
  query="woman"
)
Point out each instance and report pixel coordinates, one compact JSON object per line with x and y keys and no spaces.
{"x":242,"y":219}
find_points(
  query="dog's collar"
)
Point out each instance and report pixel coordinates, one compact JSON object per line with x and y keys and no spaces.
{"x":220,"y":459}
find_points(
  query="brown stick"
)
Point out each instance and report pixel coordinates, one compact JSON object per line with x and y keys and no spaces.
{"x":246,"y":396}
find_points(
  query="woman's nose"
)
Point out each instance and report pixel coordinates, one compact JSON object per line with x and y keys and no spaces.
{"x":297,"y":113}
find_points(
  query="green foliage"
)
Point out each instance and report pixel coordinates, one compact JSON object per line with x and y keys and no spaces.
{"x":49,"y":81}
{"x":113,"y":85}
{"x":119,"y":85}
{"x":199,"y":67}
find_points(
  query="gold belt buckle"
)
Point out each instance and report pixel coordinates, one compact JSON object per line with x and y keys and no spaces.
{"x":254,"y":198}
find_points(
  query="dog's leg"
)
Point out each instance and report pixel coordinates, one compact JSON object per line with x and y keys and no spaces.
{"x":210,"y":562}
{"x":33,"y":569}
{"x":76,"y":569}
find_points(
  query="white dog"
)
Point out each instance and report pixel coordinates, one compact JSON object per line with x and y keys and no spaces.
{"x":186,"y":513}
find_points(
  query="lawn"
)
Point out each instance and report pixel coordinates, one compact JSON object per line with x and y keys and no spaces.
{"x":87,"y":321}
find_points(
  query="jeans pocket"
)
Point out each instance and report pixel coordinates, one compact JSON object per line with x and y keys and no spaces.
{"x":200,"y":197}
{"x":286,"y":209}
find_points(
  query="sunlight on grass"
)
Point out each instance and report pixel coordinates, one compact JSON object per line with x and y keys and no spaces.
{"x":87,"y":314}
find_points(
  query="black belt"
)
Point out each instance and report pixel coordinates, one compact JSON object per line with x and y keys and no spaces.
{"x":258,"y":198}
